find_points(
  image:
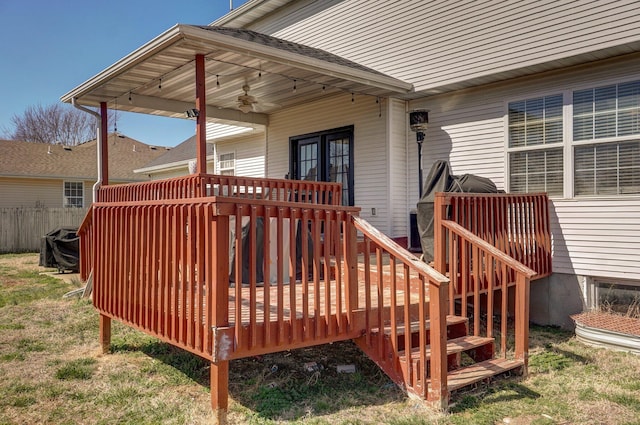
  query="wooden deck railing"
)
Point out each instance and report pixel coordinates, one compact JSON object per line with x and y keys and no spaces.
{"x":85,"y":231}
{"x":201,"y":185}
{"x":402,"y":290}
{"x":481,"y":276}
{"x":176,"y":269}
{"x":517,"y":224}
{"x":293,"y":273}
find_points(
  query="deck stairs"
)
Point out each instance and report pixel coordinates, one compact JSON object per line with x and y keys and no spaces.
{"x":470,"y":359}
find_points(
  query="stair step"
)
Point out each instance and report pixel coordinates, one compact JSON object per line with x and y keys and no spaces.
{"x":415,"y":326}
{"x":456,"y":345}
{"x":471,"y":374}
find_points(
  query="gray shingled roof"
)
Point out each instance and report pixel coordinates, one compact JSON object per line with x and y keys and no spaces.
{"x":185,"y":151}
{"x":279,"y":43}
{"x":38,"y":160}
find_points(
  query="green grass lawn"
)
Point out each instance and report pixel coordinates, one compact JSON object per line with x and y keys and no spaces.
{"x":52,"y":371}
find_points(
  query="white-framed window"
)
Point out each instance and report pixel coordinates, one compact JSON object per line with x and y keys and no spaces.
{"x":606,"y":135}
{"x":587,"y":137}
{"x":227,"y":164}
{"x":73,"y":194}
{"x":535,"y":145}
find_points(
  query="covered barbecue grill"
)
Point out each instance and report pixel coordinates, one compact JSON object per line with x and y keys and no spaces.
{"x":60,"y":248}
{"x":440,"y":179}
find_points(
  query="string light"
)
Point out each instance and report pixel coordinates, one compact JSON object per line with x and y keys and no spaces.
{"x":259,"y":70}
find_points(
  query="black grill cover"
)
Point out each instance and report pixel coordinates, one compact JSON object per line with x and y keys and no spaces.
{"x":440,"y":179}
{"x":60,"y":248}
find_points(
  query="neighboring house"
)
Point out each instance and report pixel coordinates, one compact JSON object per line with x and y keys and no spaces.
{"x":175,"y":162}
{"x":54,"y":176}
{"x":225,"y":154}
{"x":536,"y":96}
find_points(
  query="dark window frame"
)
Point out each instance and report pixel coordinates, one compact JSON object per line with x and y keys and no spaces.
{"x":322,"y":138}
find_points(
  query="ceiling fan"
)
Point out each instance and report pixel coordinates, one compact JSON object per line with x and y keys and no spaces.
{"x":246,"y":102}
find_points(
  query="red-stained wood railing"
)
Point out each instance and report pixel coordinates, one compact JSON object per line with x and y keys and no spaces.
{"x":293,"y":277}
{"x":154,"y":266}
{"x":481,"y":276}
{"x":198,"y":185}
{"x":301,"y":191}
{"x":185,"y":187}
{"x":85,"y":231}
{"x":400,"y":290}
{"x":516,"y":224}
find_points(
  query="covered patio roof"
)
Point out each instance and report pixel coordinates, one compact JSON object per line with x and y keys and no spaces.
{"x":159,"y":77}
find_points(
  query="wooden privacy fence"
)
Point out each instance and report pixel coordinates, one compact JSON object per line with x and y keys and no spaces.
{"x":21,"y":229}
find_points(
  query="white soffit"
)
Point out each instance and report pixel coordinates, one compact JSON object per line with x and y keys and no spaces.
{"x":159,"y":77}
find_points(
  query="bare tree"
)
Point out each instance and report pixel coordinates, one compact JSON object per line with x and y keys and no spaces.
{"x":52,"y":124}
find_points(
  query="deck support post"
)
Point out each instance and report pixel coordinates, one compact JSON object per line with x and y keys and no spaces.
{"x":218,"y":270}
{"x":104,"y":145}
{"x":220,"y":391}
{"x":522,"y":320}
{"x":439,"y":235}
{"x":105,"y":333}
{"x":351,"y":263}
{"x":438,"y":395}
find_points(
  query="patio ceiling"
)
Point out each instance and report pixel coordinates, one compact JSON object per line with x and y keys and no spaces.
{"x":159,"y":77}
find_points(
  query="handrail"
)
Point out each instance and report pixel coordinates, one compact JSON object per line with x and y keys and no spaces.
{"x":486,"y":246}
{"x":478,"y":268}
{"x":392,"y":247}
{"x":86,"y":221}
{"x":85,"y":232}
{"x":201,"y":185}
{"x":417,"y":293}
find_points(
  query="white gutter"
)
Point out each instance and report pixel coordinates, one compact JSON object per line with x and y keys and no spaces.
{"x":96,"y":185}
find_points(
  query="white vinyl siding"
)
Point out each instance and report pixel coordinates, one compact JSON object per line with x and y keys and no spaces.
{"x":591,"y":236}
{"x":397,"y":135}
{"x":42,"y":193}
{"x":20,"y":192}
{"x":370,"y":155}
{"x":249,"y":155}
{"x":451,"y":44}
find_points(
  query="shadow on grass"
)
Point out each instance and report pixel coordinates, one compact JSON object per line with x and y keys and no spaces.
{"x":546,"y":336}
{"x":192,"y":366}
{"x":498,"y":391}
{"x":289,"y":384}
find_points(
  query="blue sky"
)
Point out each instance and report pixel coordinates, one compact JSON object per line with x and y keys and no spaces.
{"x":49,"y":47}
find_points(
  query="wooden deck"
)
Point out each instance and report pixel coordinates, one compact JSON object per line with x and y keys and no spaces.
{"x":160,"y":256}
